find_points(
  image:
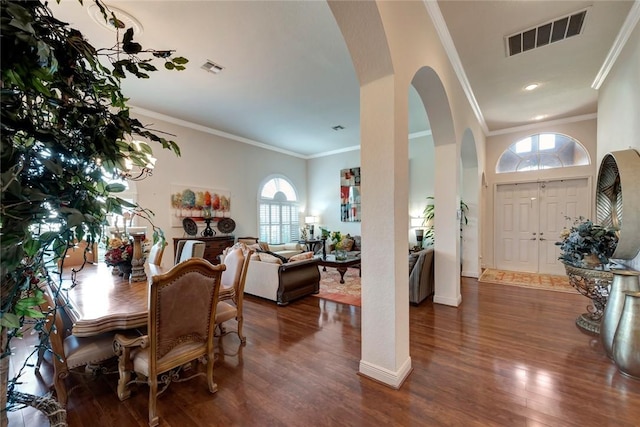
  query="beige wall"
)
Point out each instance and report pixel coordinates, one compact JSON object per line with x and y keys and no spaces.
{"x":214,"y":162}
{"x":619,"y":106}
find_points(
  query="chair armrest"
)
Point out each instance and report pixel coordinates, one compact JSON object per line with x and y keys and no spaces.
{"x":127,"y":342}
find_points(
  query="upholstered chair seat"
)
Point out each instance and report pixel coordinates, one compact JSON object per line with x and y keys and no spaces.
{"x":69,"y":351}
{"x":236,"y":259}
{"x":181,"y":324}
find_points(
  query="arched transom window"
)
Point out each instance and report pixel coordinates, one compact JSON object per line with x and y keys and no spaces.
{"x":278,"y":212}
{"x":542,"y":151}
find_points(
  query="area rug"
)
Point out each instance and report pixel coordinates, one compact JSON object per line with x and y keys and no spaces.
{"x":346,"y":293}
{"x":547,"y":282}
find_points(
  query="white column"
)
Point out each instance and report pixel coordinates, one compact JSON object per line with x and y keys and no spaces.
{"x":385,"y":275}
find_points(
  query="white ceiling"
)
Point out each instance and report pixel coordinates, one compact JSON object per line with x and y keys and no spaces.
{"x":288,"y":78}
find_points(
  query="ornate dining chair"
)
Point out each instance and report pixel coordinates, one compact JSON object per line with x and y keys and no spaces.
{"x":69,"y":351}
{"x":189,"y":249}
{"x":233,"y":280}
{"x":156,"y":252}
{"x":181,"y":323}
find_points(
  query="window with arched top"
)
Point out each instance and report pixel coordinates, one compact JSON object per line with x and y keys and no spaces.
{"x":278,"y":211}
{"x":542,"y":151}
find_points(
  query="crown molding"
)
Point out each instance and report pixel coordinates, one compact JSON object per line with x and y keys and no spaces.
{"x":211,"y":131}
{"x":447,"y":42}
{"x":618,"y":44}
{"x":547,"y":123}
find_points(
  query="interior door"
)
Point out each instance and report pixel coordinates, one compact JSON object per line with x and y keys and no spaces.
{"x":517,"y":227}
{"x":529,"y":219}
{"x":559,"y":200}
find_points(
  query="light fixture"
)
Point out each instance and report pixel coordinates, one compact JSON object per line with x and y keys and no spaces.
{"x":532,"y":86}
{"x":310,"y":221}
{"x":540,"y":117}
{"x":417,"y":222}
{"x":142,"y":167}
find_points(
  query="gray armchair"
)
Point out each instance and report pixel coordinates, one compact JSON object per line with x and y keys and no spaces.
{"x":421,"y":277}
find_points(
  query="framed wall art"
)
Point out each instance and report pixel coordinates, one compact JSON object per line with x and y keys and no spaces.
{"x":198,"y":203}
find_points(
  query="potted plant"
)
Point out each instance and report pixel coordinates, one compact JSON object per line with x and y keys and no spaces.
{"x":587,"y":245}
{"x":429,"y":216}
{"x":66,"y":132}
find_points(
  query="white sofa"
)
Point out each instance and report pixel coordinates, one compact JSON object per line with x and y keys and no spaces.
{"x":286,"y":250}
{"x":280,"y":282}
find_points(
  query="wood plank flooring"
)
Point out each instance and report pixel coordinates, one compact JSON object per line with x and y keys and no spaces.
{"x":507,"y":356}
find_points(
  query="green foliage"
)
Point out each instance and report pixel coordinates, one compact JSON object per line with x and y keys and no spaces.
{"x":583,"y":238}
{"x":429,"y":215}
{"x":66,"y":132}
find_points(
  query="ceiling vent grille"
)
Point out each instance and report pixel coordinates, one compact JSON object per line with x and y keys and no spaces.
{"x":212,"y":67}
{"x":549,"y":32}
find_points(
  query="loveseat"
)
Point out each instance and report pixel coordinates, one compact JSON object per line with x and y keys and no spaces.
{"x":421,"y":275}
{"x":286,"y":250}
{"x":274,"y":280}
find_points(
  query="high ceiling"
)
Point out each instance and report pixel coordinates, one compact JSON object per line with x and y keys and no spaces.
{"x":287,"y":77}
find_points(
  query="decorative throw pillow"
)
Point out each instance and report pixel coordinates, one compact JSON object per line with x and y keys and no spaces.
{"x":280,"y":257}
{"x":265,"y":257}
{"x":302,"y":256}
{"x":347,"y":244}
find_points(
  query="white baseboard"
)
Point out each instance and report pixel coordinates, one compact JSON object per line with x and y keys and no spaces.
{"x":454,"y":302}
{"x":473,"y":274}
{"x":385,"y":376}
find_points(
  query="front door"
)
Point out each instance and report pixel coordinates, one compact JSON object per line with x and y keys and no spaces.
{"x":529,"y":219}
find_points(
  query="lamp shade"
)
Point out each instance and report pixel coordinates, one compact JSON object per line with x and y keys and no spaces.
{"x":416,"y":222}
{"x":310,"y":219}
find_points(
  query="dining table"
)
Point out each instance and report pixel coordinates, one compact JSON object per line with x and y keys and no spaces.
{"x":99,"y":301}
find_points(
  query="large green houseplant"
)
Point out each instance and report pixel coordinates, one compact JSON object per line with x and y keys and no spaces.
{"x":66,"y":133}
{"x":429,"y":215}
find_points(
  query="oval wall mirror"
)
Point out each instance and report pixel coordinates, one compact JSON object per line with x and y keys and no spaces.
{"x":618,"y":199}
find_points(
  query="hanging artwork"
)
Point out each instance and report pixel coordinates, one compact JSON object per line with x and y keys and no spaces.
{"x":198,"y":203}
{"x":350,"y":195}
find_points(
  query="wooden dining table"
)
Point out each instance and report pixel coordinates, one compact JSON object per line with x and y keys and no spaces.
{"x":101,"y":301}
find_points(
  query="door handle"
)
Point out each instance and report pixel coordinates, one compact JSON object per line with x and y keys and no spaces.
{"x":533,"y":238}
{"x":542,"y":238}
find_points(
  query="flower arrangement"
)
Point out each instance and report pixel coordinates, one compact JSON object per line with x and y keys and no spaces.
{"x":119,"y":251}
{"x":585,"y":238}
{"x":336,"y":236}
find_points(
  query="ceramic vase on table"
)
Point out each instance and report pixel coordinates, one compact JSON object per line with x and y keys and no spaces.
{"x":626,"y":342}
{"x":623,"y":280}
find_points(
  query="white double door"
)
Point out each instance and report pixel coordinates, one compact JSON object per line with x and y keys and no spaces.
{"x":529,"y":220}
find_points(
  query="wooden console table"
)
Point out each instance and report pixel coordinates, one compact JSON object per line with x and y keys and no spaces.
{"x":213,"y":246}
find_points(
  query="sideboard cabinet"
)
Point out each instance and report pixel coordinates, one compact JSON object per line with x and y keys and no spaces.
{"x":214,"y":246}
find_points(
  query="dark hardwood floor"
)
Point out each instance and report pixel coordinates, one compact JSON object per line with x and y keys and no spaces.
{"x":507,"y":356}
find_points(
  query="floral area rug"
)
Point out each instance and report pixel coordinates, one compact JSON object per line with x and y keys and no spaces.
{"x":547,"y":282}
{"x":346,"y":293}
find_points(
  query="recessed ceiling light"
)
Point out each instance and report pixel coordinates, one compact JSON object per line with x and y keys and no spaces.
{"x":540,"y":117}
{"x":532,"y":86}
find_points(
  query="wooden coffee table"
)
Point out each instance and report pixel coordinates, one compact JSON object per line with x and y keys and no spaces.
{"x":340,"y":265}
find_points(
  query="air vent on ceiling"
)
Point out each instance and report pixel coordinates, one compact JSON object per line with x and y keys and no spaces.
{"x":212,"y":67}
{"x":544,"y":34}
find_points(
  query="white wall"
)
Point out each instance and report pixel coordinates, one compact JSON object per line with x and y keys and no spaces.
{"x":619,"y":106}
{"x":324,"y":184}
{"x":217,"y":163}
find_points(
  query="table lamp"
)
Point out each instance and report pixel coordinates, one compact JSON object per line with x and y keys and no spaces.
{"x":310,"y":221}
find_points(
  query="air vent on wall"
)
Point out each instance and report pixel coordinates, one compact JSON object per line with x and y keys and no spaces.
{"x":544,"y":34}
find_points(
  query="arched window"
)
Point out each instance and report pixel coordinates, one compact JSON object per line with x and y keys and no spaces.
{"x":278,"y":211}
{"x":542,"y":151}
